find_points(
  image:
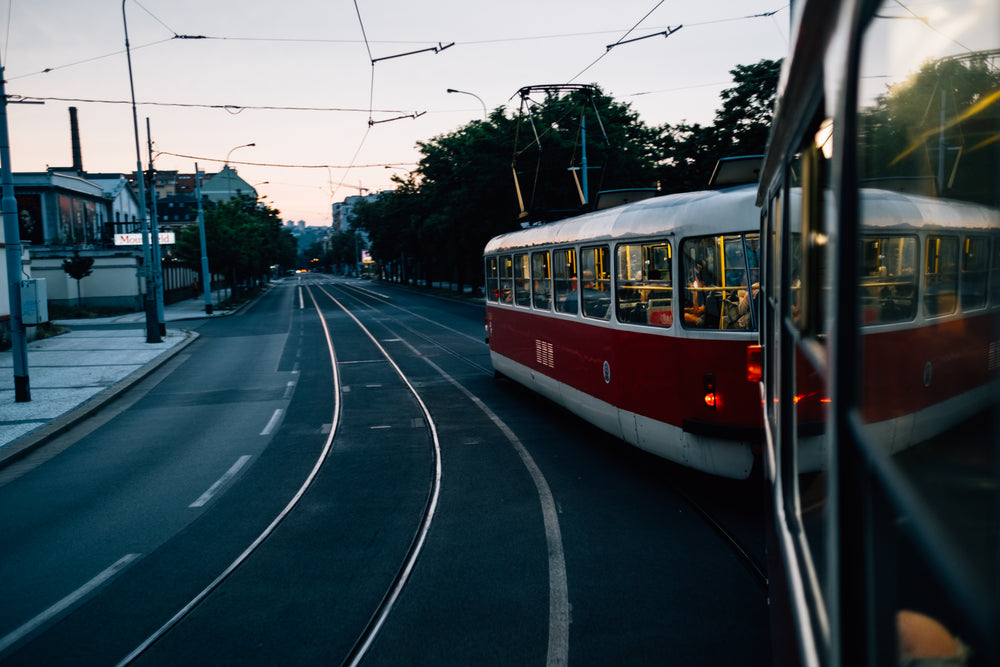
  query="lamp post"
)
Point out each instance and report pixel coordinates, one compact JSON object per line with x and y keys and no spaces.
{"x":152,"y":326}
{"x":12,"y":251}
{"x":486,"y":116}
{"x":229,"y":177}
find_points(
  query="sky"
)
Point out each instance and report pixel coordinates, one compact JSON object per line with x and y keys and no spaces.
{"x":296,"y":78}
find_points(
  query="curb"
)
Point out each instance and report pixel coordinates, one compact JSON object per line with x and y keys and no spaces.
{"x":20,"y":448}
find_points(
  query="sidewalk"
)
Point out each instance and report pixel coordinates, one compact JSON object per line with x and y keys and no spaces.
{"x":72,"y":375}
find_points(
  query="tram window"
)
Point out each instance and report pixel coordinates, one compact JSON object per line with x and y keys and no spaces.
{"x":888,"y":283}
{"x":595,"y":279}
{"x":975,"y":267}
{"x":522,"y":280}
{"x":995,"y":274}
{"x":506,"y":292}
{"x":722,"y":281}
{"x":644,"y":288}
{"x":492,"y":279}
{"x":564,"y":280}
{"x":940,"y":275}
{"x":541,"y":279}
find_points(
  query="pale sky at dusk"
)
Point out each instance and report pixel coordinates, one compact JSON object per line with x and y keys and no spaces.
{"x":296,"y":54}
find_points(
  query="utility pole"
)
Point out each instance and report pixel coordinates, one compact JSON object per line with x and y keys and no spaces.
{"x":152,"y":326}
{"x":155,"y":228}
{"x":206,"y":277}
{"x":12,"y":243}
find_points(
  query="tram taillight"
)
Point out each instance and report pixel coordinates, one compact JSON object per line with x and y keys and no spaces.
{"x":710,"y":398}
{"x":755,"y":363}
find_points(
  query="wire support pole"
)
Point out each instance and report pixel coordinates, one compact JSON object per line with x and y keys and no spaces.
{"x":12,"y":243}
{"x":206,"y":277}
{"x":161,"y":318}
{"x":152,"y":326}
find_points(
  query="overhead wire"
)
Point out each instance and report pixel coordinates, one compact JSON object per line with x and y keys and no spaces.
{"x":608,"y":50}
{"x":201,"y":158}
{"x":228,"y":107}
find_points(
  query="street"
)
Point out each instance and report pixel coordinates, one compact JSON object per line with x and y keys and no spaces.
{"x":334,"y":475}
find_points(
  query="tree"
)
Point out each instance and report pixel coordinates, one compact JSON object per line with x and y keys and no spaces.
{"x":741,"y":127}
{"x":79,"y":268}
{"x":938,"y":126}
{"x":243,"y":239}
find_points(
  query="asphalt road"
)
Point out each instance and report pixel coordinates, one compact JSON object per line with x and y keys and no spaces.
{"x":335,"y":474}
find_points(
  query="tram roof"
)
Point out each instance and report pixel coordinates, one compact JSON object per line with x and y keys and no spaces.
{"x":886,"y":209}
{"x":703,"y":212}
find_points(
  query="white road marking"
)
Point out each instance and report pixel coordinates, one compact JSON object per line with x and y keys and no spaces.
{"x":149,"y":641}
{"x":272,"y":423}
{"x":219,"y":483}
{"x":67,"y":602}
{"x":557,"y":653}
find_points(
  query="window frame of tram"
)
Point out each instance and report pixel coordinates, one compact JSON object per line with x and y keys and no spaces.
{"x":522,"y":279}
{"x":717,"y":295}
{"x":565,"y":295}
{"x":506,"y":291}
{"x":595,"y":282}
{"x":492,"y":278}
{"x":949,"y":574}
{"x":541,"y":278}
{"x":644,"y":283}
{"x":803,"y":366}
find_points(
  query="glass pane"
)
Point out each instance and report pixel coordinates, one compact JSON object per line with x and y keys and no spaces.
{"x":888,"y":284}
{"x":941,"y":275}
{"x":644,"y":292}
{"x":596,"y":282}
{"x":542,"y":280}
{"x":492,"y":279}
{"x":564,"y":280}
{"x":506,"y":279}
{"x":929,"y":159}
{"x":722,"y":281}
{"x":522,"y":280}
{"x":975,"y":266}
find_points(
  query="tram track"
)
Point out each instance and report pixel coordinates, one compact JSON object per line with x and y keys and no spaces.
{"x":743,"y":553}
{"x":390,"y":317}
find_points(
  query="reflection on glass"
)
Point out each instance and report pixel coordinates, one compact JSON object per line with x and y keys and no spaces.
{"x":928,"y":162}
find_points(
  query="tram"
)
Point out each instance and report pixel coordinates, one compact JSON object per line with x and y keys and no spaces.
{"x":880,"y":328}
{"x":640,"y":319}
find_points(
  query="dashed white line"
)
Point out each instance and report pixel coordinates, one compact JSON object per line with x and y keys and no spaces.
{"x":273,"y":422}
{"x":67,"y":602}
{"x":205,"y":497}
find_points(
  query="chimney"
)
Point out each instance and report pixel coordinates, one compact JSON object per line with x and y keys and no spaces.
{"x":74,"y":130}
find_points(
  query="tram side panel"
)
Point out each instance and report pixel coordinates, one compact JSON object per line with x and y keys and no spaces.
{"x":648,"y":389}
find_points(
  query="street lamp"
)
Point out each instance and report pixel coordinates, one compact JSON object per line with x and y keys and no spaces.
{"x":229,"y":177}
{"x":485,"y":115}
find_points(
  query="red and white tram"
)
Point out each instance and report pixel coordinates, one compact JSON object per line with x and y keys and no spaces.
{"x":639,"y":319}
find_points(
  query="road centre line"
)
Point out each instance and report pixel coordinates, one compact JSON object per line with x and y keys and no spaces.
{"x":219,"y":483}
{"x":272,"y":423}
{"x":67,"y":602}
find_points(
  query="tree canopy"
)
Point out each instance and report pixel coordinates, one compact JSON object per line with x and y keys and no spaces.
{"x":243,"y":238}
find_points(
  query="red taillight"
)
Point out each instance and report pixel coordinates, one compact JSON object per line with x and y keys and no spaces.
{"x":710,"y":398}
{"x":755,"y":363}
